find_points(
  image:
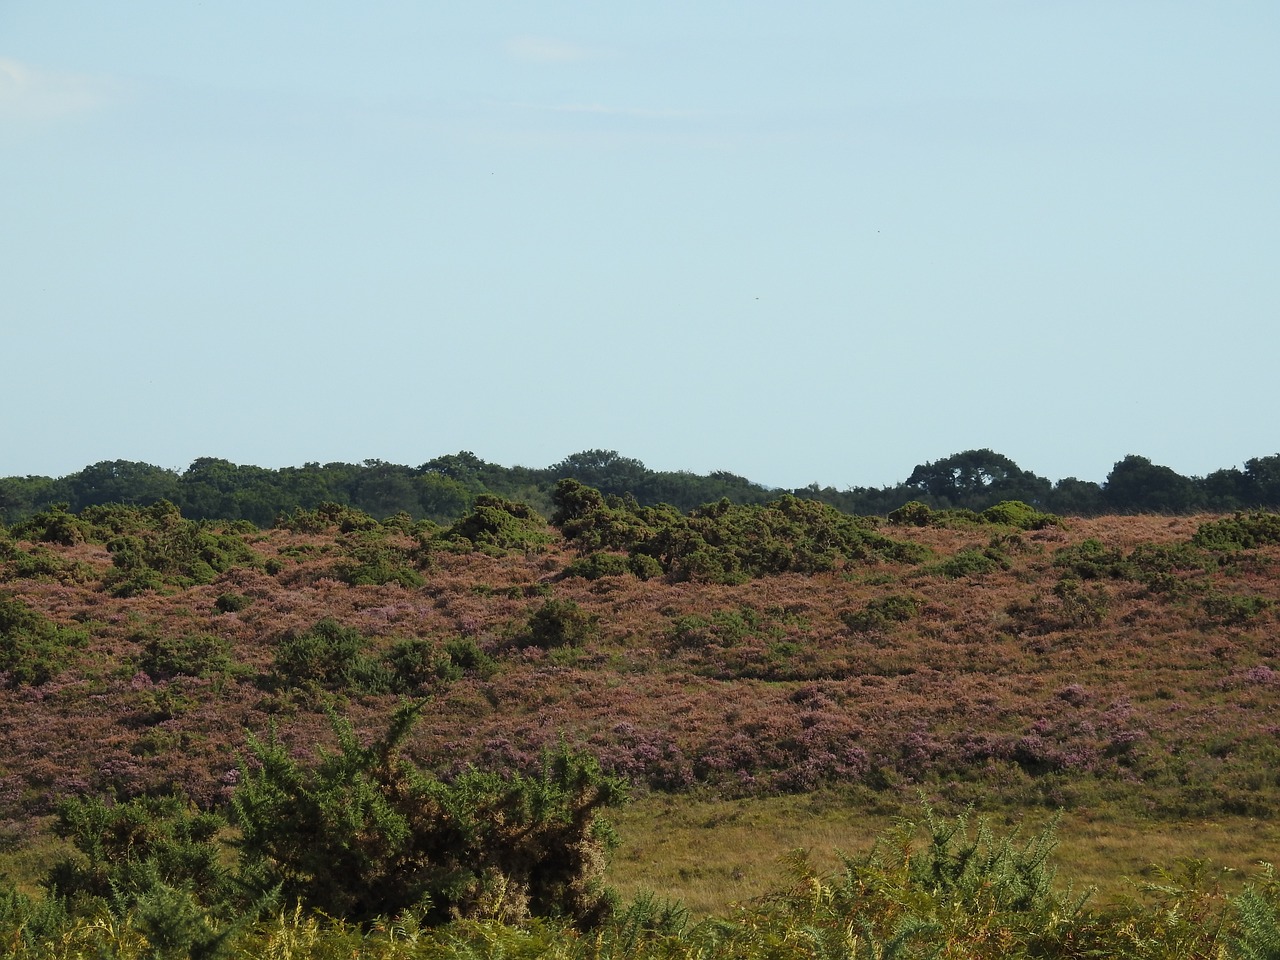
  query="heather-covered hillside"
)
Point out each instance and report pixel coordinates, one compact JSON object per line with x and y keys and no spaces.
{"x":745,"y":649}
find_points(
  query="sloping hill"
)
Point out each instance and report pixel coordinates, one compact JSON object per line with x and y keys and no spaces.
{"x":1128,"y":659}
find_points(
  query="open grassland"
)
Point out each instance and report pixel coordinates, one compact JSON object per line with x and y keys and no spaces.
{"x":712,"y":853}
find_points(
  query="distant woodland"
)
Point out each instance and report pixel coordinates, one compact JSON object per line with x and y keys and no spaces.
{"x":444,"y":489}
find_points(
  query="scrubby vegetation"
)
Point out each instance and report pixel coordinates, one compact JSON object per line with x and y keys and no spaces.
{"x":1006,"y":658}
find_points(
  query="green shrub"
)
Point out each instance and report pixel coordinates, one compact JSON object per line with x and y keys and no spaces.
{"x":724,"y":628}
{"x":231,"y":602}
{"x":1015,"y":513}
{"x":1235,"y":610}
{"x":644,"y":567}
{"x":1082,"y":607}
{"x":326,"y":518}
{"x":331,"y":656}
{"x":913,"y":513}
{"x":1244,"y":531}
{"x":559,"y":623}
{"x":881,"y":613}
{"x":500,"y":524}
{"x":596,"y":565}
{"x":419,"y":665}
{"x":971,"y":562}
{"x":464,"y":653}
{"x":156,"y":549}
{"x":152,"y":864}
{"x":54,"y":525}
{"x":33,"y":649}
{"x":1090,"y":559}
{"x":192,"y":655}
{"x":125,"y":849}
{"x":370,"y":560}
{"x":367,"y":834}
{"x":1156,"y":566}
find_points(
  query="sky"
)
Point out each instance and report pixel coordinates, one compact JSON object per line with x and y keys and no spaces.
{"x":805,"y":242}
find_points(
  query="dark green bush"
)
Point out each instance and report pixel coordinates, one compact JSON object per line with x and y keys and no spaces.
{"x":469,"y":658}
{"x":155,"y":548}
{"x":125,"y":848}
{"x":1157,"y":566}
{"x":192,"y":655}
{"x":559,"y":623}
{"x":596,"y":565}
{"x":500,"y":524}
{"x":971,"y":562}
{"x":881,"y":613}
{"x":367,"y":834}
{"x":54,"y":525}
{"x":155,"y":863}
{"x":912,"y":514}
{"x":1235,"y":610}
{"x":327,"y":518}
{"x":33,"y":649}
{"x":1244,"y":531}
{"x":419,"y":665}
{"x":231,"y":602}
{"x":371,"y":560}
{"x":644,"y":567}
{"x":1015,"y":513}
{"x":724,"y":628}
{"x":1090,"y":559}
{"x":41,"y":563}
{"x":330,"y":656}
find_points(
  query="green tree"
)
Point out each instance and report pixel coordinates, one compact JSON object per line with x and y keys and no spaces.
{"x":121,"y":481}
{"x":976,"y":479}
{"x":1076,"y":498}
{"x":1262,"y":474}
{"x":606,"y":470}
{"x":1135,"y":485}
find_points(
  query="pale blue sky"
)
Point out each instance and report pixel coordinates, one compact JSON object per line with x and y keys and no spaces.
{"x":802,"y":242}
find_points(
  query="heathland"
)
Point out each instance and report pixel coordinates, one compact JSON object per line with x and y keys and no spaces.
{"x":757,"y":677}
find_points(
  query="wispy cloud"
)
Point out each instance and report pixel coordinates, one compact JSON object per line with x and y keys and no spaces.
{"x":28,"y":93}
{"x":548,"y":50}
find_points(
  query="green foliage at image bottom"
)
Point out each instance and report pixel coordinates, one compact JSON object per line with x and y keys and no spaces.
{"x":933,"y":888}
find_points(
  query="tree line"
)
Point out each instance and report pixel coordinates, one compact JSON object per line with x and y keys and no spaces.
{"x":443,"y":489}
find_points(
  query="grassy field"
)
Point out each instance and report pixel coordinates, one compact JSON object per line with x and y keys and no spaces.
{"x":711,"y":854}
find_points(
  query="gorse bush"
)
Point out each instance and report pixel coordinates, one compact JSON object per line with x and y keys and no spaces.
{"x":489,"y":866}
{"x":368,"y":834}
{"x":33,"y":649}
{"x":329,"y":656}
{"x":881,"y":613}
{"x":1015,"y":513}
{"x":326,"y":518}
{"x":124,"y":849}
{"x":721,"y":541}
{"x":1244,"y":531}
{"x":371,"y":560}
{"x":154,"y":548}
{"x":499,"y":524}
{"x":559,"y":623}
{"x":191,"y":655}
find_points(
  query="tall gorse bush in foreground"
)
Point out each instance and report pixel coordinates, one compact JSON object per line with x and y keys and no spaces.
{"x":366,"y":833}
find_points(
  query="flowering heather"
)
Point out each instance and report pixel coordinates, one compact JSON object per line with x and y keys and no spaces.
{"x":1125,"y":659}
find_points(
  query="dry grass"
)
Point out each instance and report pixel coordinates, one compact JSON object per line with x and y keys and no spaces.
{"x":711,"y":854}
